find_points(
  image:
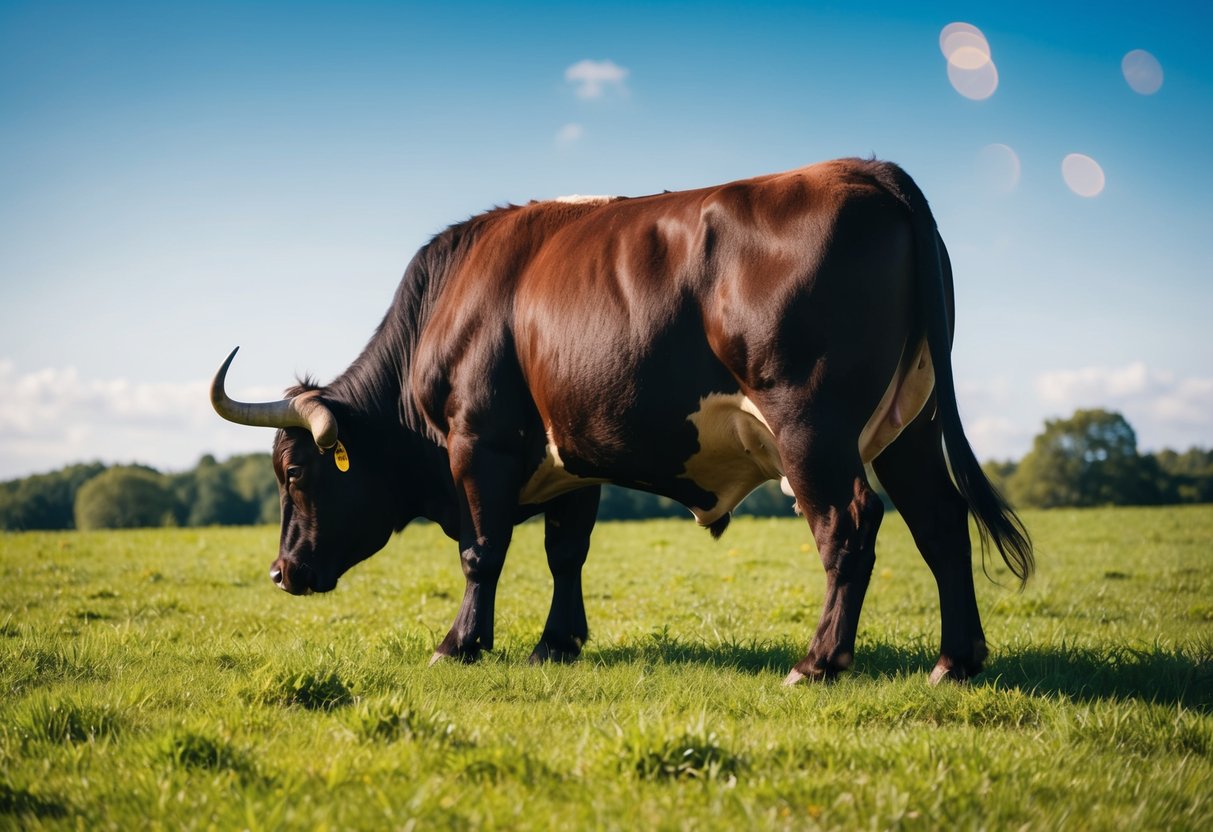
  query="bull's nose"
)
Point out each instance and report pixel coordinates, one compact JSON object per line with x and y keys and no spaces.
{"x":291,"y":576}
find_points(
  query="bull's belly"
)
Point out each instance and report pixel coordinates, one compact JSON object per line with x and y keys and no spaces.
{"x":737,"y":449}
{"x":736,"y":454}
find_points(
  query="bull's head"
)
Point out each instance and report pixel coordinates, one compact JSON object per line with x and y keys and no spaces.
{"x":335,"y":510}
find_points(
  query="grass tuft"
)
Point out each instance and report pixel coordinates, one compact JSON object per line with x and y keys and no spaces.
{"x":47,"y":719}
{"x":394,"y":718}
{"x":693,"y":754}
{"x":315,"y":690}
{"x":190,"y":749}
{"x":498,"y":764}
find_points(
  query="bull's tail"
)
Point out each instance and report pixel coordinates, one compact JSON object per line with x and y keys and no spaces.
{"x":996,"y":520}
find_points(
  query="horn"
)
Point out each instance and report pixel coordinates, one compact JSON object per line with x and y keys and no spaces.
{"x":302,"y":411}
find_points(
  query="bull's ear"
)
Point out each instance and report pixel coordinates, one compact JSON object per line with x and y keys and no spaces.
{"x":341,"y":457}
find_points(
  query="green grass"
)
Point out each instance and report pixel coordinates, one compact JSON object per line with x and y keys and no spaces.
{"x":158,"y":679}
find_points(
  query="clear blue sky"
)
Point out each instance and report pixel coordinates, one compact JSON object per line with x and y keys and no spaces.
{"x":178,"y":179}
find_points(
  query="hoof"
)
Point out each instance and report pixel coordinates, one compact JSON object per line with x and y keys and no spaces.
{"x":560,"y":654}
{"x":814,"y":676}
{"x":465,"y":655}
{"x":953,"y":671}
{"x":794,"y":678}
{"x":962,"y":664}
{"x":952,"y":674}
{"x":818,"y":670}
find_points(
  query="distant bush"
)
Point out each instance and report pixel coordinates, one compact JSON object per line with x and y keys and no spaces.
{"x":125,"y":498}
{"x":44,"y":501}
{"x":239,"y":491}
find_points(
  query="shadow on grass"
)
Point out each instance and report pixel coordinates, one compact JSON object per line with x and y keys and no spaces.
{"x":20,"y":802}
{"x":757,"y":657}
{"x":1171,"y":677}
{"x":751,"y":657}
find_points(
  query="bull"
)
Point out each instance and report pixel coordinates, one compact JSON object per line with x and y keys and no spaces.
{"x":693,"y":344}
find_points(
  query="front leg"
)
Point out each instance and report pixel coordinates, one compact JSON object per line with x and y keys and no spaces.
{"x":487,"y":484}
{"x":568,"y":521}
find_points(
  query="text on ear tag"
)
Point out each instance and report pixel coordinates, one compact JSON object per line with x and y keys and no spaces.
{"x":341,"y":457}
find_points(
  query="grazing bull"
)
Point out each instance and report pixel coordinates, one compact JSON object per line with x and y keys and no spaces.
{"x":692,"y":344}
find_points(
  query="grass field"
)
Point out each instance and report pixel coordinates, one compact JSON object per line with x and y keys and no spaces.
{"x":158,"y":679}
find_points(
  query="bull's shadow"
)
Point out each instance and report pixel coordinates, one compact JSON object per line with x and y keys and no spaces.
{"x":1155,"y":674}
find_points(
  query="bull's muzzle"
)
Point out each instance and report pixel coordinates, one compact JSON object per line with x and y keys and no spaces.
{"x":295,"y":578}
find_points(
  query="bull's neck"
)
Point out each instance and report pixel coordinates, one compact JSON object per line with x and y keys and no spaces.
{"x":376,"y":394}
{"x":376,"y":386}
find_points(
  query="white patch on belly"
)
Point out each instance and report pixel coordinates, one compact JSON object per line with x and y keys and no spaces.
{"x":550,"y":479}
{"x":903,"y":400}
{"x":737,"y":452}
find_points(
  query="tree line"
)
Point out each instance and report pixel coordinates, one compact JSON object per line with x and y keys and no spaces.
{"x":239,"y":491}
{"x":1089,"y":459}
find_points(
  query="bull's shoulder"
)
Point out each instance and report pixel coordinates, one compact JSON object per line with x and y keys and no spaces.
{"x":465,"y":363}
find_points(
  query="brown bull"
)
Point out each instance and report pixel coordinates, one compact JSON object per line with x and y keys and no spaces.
{"x":693,"y":344}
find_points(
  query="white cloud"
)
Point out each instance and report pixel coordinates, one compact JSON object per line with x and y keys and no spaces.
{"x":994,"y":437}
{"x":593,"y":78}
{"x":1164,"y":409}
{"x":53,"y":417}
{"x":569,"y":134}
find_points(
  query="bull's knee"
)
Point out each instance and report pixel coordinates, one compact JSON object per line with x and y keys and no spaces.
{"x":848,"y":550}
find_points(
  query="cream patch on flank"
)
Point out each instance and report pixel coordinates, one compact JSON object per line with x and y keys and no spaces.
{"x":903,"y":400}
{"x":737,"y":452}
{"x":550,"y":479}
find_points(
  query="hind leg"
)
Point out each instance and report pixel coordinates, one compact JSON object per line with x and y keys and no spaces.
{"x":844,"y":513}
{"x":914,"y":472}
{"x":568,"y":521}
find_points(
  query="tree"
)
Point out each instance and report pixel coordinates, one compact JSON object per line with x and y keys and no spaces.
{"x":1000,"y":473}
{"x":216,"y":502}
{"x":1187,"y":477}
{"x":1089,"y":459}
{"x":619,"y":503}
{"x":125,"y":498}
{"x":766,"y":501}
{"x":239,"y":491}
{"x":254,"y":480}
{"x":44,"y":501}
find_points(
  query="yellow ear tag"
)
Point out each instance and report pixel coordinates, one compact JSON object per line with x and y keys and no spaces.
{"x":341,"y":457}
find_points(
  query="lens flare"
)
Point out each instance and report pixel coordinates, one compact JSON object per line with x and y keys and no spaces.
{"x":1142,"y":72}
{"x":969,"y":57}
{"x":957,"y":36}
{"x":1082,"y":175}
{"x":998,"y":168}
{"x":976,"y":84}
{"x":971,"y":69}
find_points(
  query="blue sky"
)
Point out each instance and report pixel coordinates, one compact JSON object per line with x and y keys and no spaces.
{"x":181,"y":179}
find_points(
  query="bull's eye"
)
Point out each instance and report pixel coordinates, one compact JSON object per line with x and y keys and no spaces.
{"x":293,"y":473}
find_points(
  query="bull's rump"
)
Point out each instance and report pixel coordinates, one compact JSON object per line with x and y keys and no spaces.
{"x":644,"y":327}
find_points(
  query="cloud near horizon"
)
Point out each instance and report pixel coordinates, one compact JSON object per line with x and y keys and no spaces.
{"x":594,"y":78}
{"x":54,"y":417}
{"x":1166,"y":410}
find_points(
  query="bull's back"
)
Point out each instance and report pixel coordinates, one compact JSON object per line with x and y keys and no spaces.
{"x":638,"y":326}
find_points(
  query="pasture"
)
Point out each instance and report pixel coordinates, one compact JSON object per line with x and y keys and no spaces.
{"x":158,"y":680}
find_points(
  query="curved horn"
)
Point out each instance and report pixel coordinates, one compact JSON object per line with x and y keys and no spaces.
{"x":302,"y":411}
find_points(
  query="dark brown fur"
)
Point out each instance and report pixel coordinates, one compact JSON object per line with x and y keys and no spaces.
{"x":603,"y":325}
